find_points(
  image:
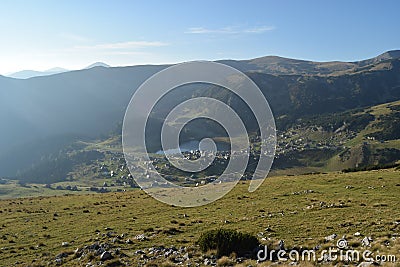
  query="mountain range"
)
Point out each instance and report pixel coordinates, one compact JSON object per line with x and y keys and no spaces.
{"x":26,"y":74}
{"x":41,"y":114}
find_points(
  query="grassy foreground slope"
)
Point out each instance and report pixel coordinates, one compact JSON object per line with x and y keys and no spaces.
{"x":301,"y":210}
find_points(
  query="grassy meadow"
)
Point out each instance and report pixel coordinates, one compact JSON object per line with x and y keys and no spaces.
{"x":301,"y":210}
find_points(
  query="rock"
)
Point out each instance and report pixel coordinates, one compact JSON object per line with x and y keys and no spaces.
{"x":62,"y":255}
{"x":128,"y":241}
{"x":207,"y":262}
{"x":141,"y":237}
{"x":110,"y":234}
{"x":357,"y":234}
{"x":94,"y":246}
{"x":167,"y":253}
{"x":78,"y":252}
{"x":106,"y":256}
{"x":99,"y":251}
{"x":64,"y":244}
{"x":330,"y":237}
{"x":366,"y":241}
{"x":186,"y":256}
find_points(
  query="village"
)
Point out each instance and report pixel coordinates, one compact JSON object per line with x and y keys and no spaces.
{"x":113,"y":174}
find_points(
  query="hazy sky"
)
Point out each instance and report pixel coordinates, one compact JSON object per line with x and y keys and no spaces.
{"x":73,"y":34}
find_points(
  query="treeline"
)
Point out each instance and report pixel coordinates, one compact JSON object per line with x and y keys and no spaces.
{"x":57,"y":168}
{"x":372,"y":167}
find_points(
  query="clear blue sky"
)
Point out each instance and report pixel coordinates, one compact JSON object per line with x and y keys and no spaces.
{"x":73,"y":34}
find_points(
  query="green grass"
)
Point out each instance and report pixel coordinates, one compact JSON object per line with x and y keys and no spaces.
{"x":32,"y":229}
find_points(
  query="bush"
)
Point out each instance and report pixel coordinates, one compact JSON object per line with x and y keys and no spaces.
{"x":227,"y":241}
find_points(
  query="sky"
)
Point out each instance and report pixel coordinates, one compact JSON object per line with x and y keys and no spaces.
{"x":39,"y":35}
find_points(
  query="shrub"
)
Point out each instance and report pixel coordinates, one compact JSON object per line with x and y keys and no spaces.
{"x":227,"y":241}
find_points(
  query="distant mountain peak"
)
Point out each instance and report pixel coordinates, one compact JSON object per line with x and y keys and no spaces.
{"x":98,"y":64}
{"x":56,"y":69}
{"x":26,"y":74}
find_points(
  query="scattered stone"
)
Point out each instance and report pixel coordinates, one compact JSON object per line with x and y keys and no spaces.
{"x":64,"y":244}
{"x":330,"y":237}
{"x":110,"y":234}
{"x":366,"y":241}
{"x":186,"y":256}
{"x":141,"y":237}
{"x":357,"y":234}
{"x":78,"y":251}
{"x":128,"y":241}
{"x":62,"y":255}
{"x":106,"y":256}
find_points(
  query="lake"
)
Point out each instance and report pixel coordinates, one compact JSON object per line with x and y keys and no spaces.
{"x":193,"y":145}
